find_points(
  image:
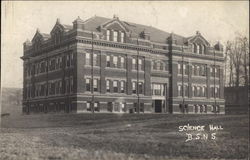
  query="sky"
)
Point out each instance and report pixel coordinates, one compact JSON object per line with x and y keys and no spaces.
{"x":216,"y":21}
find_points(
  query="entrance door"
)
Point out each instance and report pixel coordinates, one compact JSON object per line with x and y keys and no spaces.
{"x":158,"y":107}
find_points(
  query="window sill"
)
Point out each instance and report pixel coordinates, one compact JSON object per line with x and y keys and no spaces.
{"x":112,"y":68}
{"x":183,"y":75}
{"x":133,"y":70}
{"x":89,"y":66}
{"x":198,"y":77}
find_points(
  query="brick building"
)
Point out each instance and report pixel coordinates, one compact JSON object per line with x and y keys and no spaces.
{"x":109,"y":65}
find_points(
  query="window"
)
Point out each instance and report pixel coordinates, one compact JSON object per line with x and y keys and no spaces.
{"x":193,"y":91}
{"x":122,"y":62}
{"x":108,"y":85}
{"x":216,"y":72}
{"x":115,"y":61}
{"x":162,"y":90}
{"x":203,"y":70}
{"x":140,"y":87}
{"x":197,"y":70}
{"x":140,"y":64}
{"x":108,"y":35}
{"x":200,"y":71}
{"x":95,"y":63}
{"x":141,"y":107}
{"x":60,"y":87}
{"x":71,"y":59}
{"x":204,"y":49}
{"x":67,"y":82}
{"x":198,"y":49}
{"x":122,"y":107}
{"x":185,"y":68}
{"x":57,"y":87}
{"x":52,"y":64}
{"x":87,"y":59}
{"x":68,"y":60}
{"x":204,"y":90}
{"x":88,"y":106}
{"x":36,"y":90}
{"x":96,"y":107}
{"x":161,"y":66}
{"x":179,"y":69}
{"x":122,"y":37}
{"x":60,"y":62}
{"x":186,"y":91}
{"x":108,"y":60}
{"x":158,"y":65}
{"x":95,"y":85}
{"x":212,"y":91}
{"x":192,"y":69}
{"x":115,"y":33}
{"x":57,"y":62}
{"x":134,"y":64}
{"x":154,"y":66}
{"x":87,"y":84}
{"x":71,"y":84}
{"x":179,"y":90}
{"x":122,"y":87}
{"x":216,"y":92}
{"x":157,"y":89}
{"x":134,"y":87}
{"x":195,"y":48}
{"x":198,"y":91}
{"x":115,"y":86}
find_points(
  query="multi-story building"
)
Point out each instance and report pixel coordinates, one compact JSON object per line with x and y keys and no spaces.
{"x":109,"y":65}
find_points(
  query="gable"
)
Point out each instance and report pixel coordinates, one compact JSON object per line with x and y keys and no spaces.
{"x":37,"y":37}
{"x":115,"y":24}
{"x":198,"y":39}
{"x":57,"y":28}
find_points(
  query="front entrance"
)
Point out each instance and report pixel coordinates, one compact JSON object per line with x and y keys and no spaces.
{"x":158,"y":106}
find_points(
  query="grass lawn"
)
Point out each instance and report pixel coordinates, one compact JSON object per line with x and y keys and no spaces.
{"x":121,"y":136}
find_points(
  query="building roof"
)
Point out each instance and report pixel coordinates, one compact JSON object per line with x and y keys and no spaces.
{"x":156,"y":35}
{"x":45,"y":35}
{"x":67,"y":27}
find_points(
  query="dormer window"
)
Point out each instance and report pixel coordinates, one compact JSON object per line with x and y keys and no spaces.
{"x":122,"y":37}
{"x":195,"y":48}
{"x":198,"y":49}
{"x":115,"y":35}
{"x":204,"y":49}
{"x":57,"y":37}
{"x":108,"y":35}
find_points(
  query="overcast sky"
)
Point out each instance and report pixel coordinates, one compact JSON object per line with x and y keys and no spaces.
{"x":217,"y":21}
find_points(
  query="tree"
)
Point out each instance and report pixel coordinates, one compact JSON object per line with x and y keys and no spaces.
{"x":237,"y":57}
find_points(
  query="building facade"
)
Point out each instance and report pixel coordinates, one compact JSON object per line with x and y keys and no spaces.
{"x":109,"y":65}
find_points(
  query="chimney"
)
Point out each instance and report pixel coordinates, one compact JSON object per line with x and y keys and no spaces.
{"x":78,"y":24}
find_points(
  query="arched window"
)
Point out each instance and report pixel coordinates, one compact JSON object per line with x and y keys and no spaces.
{"x":192,"y":45}
{"x":201,"y":49}
{"x":204,"y":49}
{"x":195,"y":48}
{"x":198,"y":49}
